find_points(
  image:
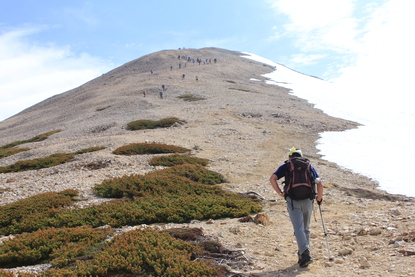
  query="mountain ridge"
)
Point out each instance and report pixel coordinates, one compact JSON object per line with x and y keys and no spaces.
{"x":63,"y":105}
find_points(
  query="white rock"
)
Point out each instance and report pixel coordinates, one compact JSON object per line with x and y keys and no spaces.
{"x":345,"y":251}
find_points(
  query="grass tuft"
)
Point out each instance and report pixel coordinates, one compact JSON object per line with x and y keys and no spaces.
{"x":24,"y":165}
{"x":10,"y":149}
{"x":176,"y":159}
{"x":148,"y":148}
{"x":49,"y":161}
{"x":244,"y":90}
{"x":190,"y":98}
{"x":143,"y":124}
{"x":90,"y":149}
{"x":103,"y":109}
{"x":145,"y":252}
{"x":59,"y":246}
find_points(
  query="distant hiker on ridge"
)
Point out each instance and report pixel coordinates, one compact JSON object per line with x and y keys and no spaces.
{"x":299,"y":192}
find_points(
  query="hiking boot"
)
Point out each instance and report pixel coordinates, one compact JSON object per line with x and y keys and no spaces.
{"x":305,"y":259}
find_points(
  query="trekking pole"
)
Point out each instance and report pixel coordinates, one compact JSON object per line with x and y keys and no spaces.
{"x":325,"y":234}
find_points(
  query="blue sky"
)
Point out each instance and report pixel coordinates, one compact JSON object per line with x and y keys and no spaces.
{"x":49,"y":47}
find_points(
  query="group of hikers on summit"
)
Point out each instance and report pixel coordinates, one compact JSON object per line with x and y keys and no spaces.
{"x":302,"y":185}
{"x":187,"y":59}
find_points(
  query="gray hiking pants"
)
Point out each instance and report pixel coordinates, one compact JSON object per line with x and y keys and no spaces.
{"x":300,"y":214}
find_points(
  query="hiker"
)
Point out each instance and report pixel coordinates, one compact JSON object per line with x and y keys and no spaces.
{"x":161,"y":94}
{"x":163,"y":87}
{"x":183,"y":76}
{"x":197,"y":78}
{"x":299,"y":196}
{"x":144,"y":93}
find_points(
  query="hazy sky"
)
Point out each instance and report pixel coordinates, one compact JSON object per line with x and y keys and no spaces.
{"x":49,"y":47}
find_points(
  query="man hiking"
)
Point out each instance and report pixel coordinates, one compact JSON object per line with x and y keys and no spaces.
{"x":301,"y":180}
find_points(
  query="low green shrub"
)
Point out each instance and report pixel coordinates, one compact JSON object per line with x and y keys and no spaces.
{"x":58,"y":246}
{"x":52,"y":160}
{"x":190,"y":97}
{"x":152,"y":208}
{"x":173,"y":179}
{"x":141,"y":253}
{"x":49,"y":161}
{"x":148,"y":148}
{"x":143,"y":124}
{"x":90,"y":149}
{"x":194,"y":172}
{"x":37,"y":138}
{"x":102,"y":109}
{"x":10,"y":149}
{"x":157,"y":197}
{"x":25,"y":210}
{"x":176,"y":159}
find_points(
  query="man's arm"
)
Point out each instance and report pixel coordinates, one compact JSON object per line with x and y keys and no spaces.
{"x":273,"y":180}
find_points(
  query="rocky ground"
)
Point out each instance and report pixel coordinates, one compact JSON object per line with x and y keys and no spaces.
{"x":244,"y":127}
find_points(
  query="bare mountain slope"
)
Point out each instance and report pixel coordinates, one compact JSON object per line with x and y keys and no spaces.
{"x":122,"y":89}
{"x":120,"y":92}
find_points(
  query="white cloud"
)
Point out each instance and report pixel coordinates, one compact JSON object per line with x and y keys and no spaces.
{"x":310,"y":15}
{"x":384,"y":63}
{"x":370,"y":42}
{"x":276,"y":35}
{"x":303,"y":59}
{"x":320,"y":24}
{"x":30,"y":73}
{"x":84,"y":15}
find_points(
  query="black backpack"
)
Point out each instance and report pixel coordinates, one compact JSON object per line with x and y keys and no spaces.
{"x":299,"y":182}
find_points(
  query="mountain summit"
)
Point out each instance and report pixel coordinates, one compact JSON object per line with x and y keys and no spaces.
{"x":120,"y":91}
